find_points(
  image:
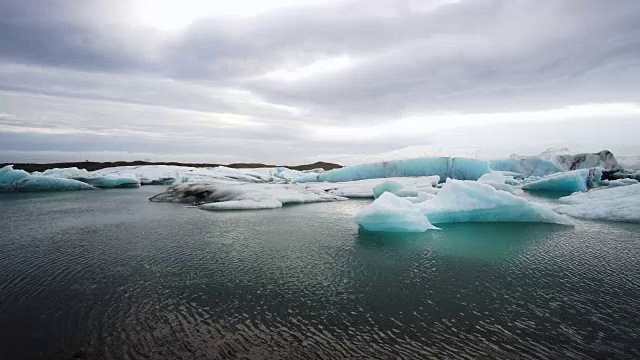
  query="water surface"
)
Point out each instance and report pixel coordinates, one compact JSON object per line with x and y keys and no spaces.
{"x":107,"y":274}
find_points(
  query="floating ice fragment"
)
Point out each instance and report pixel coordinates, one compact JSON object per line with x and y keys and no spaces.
{"x":613,"y":204}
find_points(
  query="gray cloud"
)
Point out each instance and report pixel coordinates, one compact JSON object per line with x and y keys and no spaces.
{"x":88,"y":67}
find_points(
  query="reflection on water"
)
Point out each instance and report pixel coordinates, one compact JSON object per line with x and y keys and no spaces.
{"x":475,"y":241}
{"x":108,"y":274}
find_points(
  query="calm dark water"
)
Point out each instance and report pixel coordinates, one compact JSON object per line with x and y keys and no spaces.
{"x":109,"y":275}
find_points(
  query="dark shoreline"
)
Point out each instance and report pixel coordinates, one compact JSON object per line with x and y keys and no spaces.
{"x":92,"y":165}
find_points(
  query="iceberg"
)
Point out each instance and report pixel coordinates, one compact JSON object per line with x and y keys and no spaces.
{"x":444,"y":167}
{"x":603,"y":159}
{"x":458,"y":201}
{"x":497,"y":180}
{"x":571,"y":181}
{"x":101,"y":182}
{"x":245,"y":196}
{"x":12,"y":180}
{"x":470,"y":201}
{"x":389,"y":213}
{"x":161,"y":174}
{"x":620,"y":203}
{"x":547,"y":164}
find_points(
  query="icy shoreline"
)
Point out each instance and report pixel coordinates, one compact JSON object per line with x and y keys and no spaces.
{"x":410,"y":195}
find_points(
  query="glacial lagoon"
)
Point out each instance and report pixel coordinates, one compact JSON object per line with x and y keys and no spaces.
{"x":108,"y":274}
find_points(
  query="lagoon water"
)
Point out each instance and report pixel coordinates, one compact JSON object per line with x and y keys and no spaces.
{"x":110,"y":275}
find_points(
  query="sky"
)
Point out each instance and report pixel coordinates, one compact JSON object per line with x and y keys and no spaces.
{"x":290,"y":82}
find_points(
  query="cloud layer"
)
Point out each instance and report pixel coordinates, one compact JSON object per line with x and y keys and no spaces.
{"x":85,"y":77}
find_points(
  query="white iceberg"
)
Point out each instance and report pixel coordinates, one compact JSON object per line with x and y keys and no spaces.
{"x":12,"y":180}
{"x":162,"y":174}
{"x":389,"y":213}
{"x":242,"y":196}
{"x":91,"y":178}
{"x":458,"y":202}
{"x":445,"y":167}
{"x":570,"y":181}
{"x":613,"y":204}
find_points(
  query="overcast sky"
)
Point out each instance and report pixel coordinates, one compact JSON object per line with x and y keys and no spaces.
{"x":286,"y":81}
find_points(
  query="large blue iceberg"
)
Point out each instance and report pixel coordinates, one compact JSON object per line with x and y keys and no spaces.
{"x":445,"y":167}
{"x":570,"y":181}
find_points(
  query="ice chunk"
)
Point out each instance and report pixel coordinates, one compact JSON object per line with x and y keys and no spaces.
{"x":394,"y":188}
{"x":470,"y":201}
{"x":613,"y":204}
{"x":390,"y":213}
{"x":497,"y":181}
{"x":571,"y":181}
{"x":9,"y":176}
{"x":21,"y":181}
{"x":445,"y":167}
{"x":242,"y":196}
{"x":65,"y":172}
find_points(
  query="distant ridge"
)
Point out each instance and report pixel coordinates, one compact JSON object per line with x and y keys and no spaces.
{"x":92,"y":165}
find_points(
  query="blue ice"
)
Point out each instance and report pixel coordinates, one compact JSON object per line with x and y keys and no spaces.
{"x":445,"y":167}
{"x":570,"y":181}
{"x":12,"y":180}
